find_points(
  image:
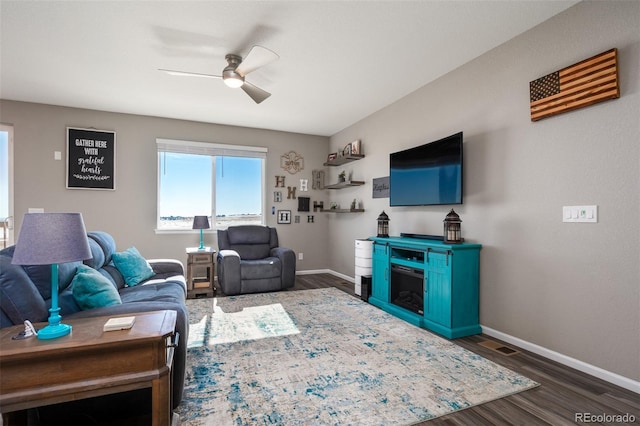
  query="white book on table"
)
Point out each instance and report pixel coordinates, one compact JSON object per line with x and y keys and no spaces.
{"x":120,"y":323}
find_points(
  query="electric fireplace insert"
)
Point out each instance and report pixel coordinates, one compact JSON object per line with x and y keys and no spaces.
{"x":407,"y":288}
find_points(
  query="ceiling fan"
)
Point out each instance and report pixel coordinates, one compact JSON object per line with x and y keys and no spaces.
{"x":234,"y":73}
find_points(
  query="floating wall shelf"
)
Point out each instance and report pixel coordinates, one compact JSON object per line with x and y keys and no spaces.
{"x":344,"y":160}
{"x":345,"y":184}
{"x":342,"y":211}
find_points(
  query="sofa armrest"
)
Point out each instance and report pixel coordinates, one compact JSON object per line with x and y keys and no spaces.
{"x":167,"y":266}
{"x":288,"y":259}
{"x":228,"y":266}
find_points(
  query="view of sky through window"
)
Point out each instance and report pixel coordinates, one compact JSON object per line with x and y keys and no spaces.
{"x":186,"y":188}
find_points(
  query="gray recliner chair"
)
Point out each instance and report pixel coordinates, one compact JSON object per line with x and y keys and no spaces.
{"x":250,"y":261}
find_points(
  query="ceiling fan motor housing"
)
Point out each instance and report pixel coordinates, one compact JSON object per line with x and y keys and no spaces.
{"x":229,"y":75}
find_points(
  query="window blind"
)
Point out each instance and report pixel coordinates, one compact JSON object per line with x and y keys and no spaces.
{"x":213,"y":149}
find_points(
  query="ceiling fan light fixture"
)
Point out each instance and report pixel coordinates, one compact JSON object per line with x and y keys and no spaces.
{"x":233,"y":80}
{"x":230,"y":76}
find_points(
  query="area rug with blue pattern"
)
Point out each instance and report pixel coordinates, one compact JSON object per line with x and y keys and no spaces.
{"x":323,"y":357}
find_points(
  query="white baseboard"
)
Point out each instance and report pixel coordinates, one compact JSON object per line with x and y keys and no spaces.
{"x":616,"y":379}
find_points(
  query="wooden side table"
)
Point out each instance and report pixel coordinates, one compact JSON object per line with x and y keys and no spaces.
{"x":89,"y":362}
{"x":200,"y":272}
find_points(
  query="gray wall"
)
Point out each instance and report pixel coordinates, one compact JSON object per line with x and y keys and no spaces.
{"x":129,"y":212}
{"x":569,"y":287}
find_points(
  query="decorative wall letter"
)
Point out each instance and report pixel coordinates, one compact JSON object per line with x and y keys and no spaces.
{"x":279,"y":181}
{"x":303,"y":204}
{"x":284,"y":216}
{"x":317,"y":179}
{"x":291,"y":195}
{"x":304,"y":185}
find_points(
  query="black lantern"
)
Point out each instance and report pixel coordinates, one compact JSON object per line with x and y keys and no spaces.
{"x":452,"y":231}
{"x":383,"y":225}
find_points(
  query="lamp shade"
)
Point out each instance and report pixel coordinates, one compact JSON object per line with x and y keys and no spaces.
{"x":48,"y":238}
{"x":200,"y":222}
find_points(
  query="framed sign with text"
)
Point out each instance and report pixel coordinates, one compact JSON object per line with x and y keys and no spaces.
{"x":91,"y":159}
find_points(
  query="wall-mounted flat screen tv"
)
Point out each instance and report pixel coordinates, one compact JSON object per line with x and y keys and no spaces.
{"x":430,"y":174}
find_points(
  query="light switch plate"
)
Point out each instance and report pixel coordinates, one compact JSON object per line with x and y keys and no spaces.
{"x":587,"y":214}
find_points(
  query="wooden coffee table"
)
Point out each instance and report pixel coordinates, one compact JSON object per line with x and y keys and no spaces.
{"x":89,"y":362}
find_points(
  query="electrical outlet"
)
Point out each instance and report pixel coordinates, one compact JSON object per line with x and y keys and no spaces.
{"x":301,"y":256}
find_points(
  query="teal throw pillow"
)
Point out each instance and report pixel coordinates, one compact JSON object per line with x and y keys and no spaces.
{"x":133,"y":267}
{"x":91,"y":289}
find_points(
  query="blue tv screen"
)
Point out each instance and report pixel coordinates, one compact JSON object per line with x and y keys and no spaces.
{"x":430,"y":174}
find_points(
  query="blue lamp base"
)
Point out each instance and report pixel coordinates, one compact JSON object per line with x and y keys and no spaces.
{"x":55,"y":328}
{"x":54,"y":331}
{"x":201,"y":241}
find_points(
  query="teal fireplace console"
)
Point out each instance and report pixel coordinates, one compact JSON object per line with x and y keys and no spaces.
{"x":428,"y":283}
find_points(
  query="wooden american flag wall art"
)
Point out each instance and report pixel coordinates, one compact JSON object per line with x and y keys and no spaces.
{"x":585,"y":83}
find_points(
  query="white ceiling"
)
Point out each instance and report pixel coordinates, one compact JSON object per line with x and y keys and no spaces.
{"x":340,"y":61}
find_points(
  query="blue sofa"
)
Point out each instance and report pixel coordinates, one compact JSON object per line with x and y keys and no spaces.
{"x":25,"y":294}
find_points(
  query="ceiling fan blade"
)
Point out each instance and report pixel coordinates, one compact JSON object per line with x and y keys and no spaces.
{"x":188,"y":74}
{"x":257,"y":57}
{"x":256,"y":93}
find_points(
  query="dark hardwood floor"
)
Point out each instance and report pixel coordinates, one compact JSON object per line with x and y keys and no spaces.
{"x":563,"y":394}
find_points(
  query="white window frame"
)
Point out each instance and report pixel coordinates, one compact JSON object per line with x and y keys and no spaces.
{"x":213,"y":150}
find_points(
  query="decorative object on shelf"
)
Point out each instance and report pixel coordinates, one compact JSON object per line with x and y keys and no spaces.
{"x":452,"y":230}
{"x":334,"y":205}
{"x":356,"y":147}
{"x":332,"y":157}
{"x":292,"y":162}
{"x":284,"y":216}
{"x":354,"y":204}
{"x":585,"y":83}
{"x":201,"y":222}
{"x":383,"y":225}
{"x":304,"y":185}
{"x":346,"y":151}
{"x":91,"y":159}
{"x":317,"y":179}
{"x":50,"y":239}
{"x":280,"y":181}
{"x":342,"y":176}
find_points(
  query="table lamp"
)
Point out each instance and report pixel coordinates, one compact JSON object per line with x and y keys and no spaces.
{"x":201,"y":222}
{"x":50,"y":239}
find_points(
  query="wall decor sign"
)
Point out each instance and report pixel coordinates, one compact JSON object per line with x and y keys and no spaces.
{"x":590,"y":81}
{"x":91,"y":159}
{"x":381,"y":187}
{"x":291,"y":162}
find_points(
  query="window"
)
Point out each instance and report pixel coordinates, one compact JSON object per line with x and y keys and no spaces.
{"x":225,"y":182}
